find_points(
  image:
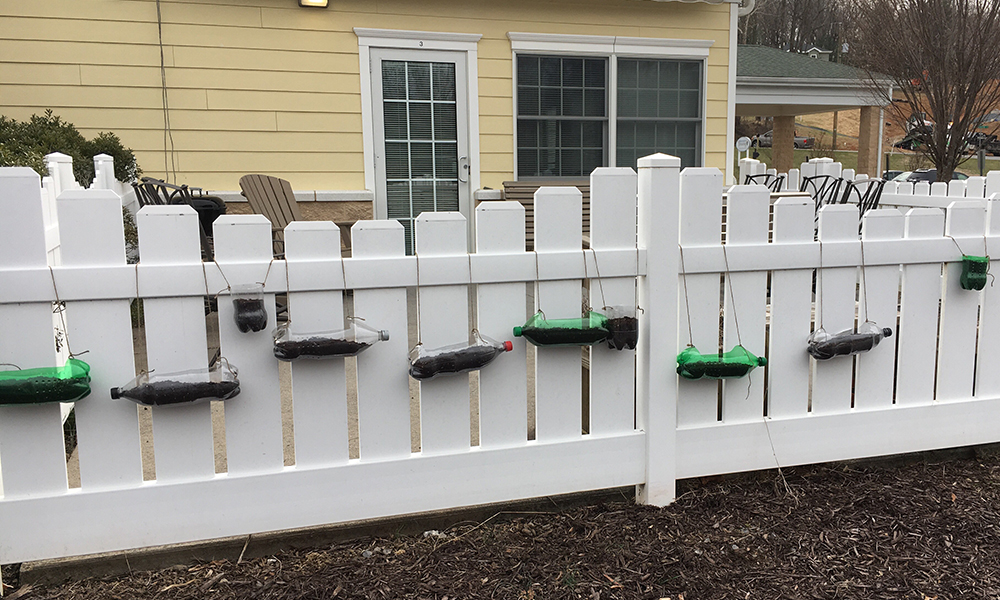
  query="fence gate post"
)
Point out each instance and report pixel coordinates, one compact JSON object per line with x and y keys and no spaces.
{"x":656,"y":379}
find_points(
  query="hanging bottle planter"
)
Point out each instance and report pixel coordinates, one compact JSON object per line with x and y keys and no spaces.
{"x":738,"y":362}
{"x":824,"y":346}
{"x":974,"y":272}
{"x":248,"y":307}
{"x":456,"y":358}
{"x":564,"y":332}
{"x":623,"y":327}
{"x":219,"y":382}
{"x":352,"y":341}
{"x":68,"y":383}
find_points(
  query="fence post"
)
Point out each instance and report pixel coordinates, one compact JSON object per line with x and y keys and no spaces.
{"x":61,"y":170}
{"x":104,"y":172}
{"x":656,"y":380}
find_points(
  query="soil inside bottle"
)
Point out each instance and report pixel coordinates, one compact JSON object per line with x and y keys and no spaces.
{"x":714,"y":369}
{"x":544,"y":336}
{"x":38,"y":390}
{"x":250,"y":314}
{"x":163,"y":393}
{"x":623,"y":333}
{"x":843,"y":345}
{"x":317,"y":347}
{"x":456,"y":361}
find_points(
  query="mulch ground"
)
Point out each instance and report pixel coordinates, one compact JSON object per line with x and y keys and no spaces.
{"x":923,"y":530}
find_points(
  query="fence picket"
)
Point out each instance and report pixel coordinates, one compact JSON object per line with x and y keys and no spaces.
{"x":176,"y":340}
{"x":612,"y":372}
{"x":835,"y":307}
{"x":319,"y":387}
{"x":383,"y":385}
{"x":965,"y":223}
{"x":559,"y":397}
{"x":747,"y":213}
{"x":918,"y":320}
{"x":700,"y":222}
{"x":879,"y":294}
{"x":443,"y":320}
{"x":503,"y":389}
{"x":253,"y":419}
{"x":987,"y":375}
{"x":791,"y":315}
{"x":108,"y":443}
{"x":31,"y":437}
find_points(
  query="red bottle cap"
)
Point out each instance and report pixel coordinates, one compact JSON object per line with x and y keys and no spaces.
{"x":507,"y":346}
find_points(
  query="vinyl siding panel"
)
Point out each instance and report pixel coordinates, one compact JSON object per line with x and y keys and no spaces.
{"x":266,"y":86}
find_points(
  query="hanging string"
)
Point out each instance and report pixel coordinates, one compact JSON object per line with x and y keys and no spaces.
{"x":600,"y":280}
{"x":538,"y":285}
{"x":819,"y":284}
{"x":864,"y":280}
{"x":61,"y":309}
{"x":687,"y":301}
{"x":585,"y":306}
{"x":266,"y":273}
{"x":288,"y":289}
{"x":732,"y":296}
{"x":419,"y":337}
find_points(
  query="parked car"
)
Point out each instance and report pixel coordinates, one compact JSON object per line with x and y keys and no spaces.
{"x":765,"y":140}
{"x":928,"y":175}
{"x":891,"y":175}
{"x":987,"y":142}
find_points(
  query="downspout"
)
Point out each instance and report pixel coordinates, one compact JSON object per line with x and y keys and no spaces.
{"x":734,"y":12}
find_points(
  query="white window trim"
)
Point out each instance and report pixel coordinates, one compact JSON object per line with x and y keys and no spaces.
{"x":612,"y":48}
{"x":418,"y":40}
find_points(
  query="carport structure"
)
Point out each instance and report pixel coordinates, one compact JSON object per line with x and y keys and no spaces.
{"x":783,"y":85}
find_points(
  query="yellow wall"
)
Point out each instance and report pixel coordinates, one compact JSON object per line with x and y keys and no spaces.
{"x":267,"y":86}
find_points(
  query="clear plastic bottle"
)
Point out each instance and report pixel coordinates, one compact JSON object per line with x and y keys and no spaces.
{"x":352,"y":341}
{"x":68,"y":383}
{"x":218,"y":382}
{"x":738,"y":362}
{"x":456,"y":358}
{"x":623,"y":327}
{"x":248,"y":307}
{"x":564,"y":332}
{"x":824,"y":346}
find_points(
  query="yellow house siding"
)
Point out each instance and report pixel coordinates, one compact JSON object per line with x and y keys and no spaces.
{"x":267,"y":86}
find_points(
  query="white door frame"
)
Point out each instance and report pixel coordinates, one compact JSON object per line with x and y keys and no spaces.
{"x":418,"y":40}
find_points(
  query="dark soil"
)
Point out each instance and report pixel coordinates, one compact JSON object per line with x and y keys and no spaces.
{"x":922,"y":531}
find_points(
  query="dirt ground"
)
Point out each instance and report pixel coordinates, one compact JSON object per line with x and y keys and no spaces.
{"x":929,"y":529}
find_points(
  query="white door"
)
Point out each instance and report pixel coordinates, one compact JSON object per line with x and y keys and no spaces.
{"x":420,"y":125}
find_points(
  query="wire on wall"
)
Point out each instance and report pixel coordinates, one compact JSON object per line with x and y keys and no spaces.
{"x":170,"y":169}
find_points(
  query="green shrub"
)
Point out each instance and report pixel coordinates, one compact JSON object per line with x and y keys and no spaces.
{"x":25,"y":144}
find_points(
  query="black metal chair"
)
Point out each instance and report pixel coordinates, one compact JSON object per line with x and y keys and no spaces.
{"x":151,"y":191}
{"x":824,"y":189}
{"x":866,"y":193}
{"x":768,"y":180}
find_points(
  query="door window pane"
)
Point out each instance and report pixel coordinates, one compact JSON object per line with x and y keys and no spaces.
{"x":420,"y":114}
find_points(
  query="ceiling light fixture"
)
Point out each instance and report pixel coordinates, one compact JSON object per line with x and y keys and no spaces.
{"x":314,"y":3}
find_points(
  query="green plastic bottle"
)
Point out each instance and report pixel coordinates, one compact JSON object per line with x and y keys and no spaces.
{"x":738,"y":362}
{"x":564,"y":332}
{"x":974,"y":271}
{"x":68,"y":383}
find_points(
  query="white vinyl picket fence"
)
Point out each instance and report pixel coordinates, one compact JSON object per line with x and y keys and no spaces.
{"x":940,"y":193}
{"x":655,"y":240}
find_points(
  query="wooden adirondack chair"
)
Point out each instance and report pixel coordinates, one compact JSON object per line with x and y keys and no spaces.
{"x":273,"y":198}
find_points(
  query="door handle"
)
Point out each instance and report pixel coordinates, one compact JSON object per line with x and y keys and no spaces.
{"x":463,"y":169}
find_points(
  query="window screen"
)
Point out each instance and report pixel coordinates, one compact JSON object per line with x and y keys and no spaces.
{"x":562,"y":116}
{"x":659,"y":110}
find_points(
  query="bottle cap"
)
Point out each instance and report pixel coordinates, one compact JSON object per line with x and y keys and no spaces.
{"x":508,"y":346}
{"x":517,"y":332}
{"x":115,"y":393}
{"x":383,"y":335}
{"x":886,"y":332}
